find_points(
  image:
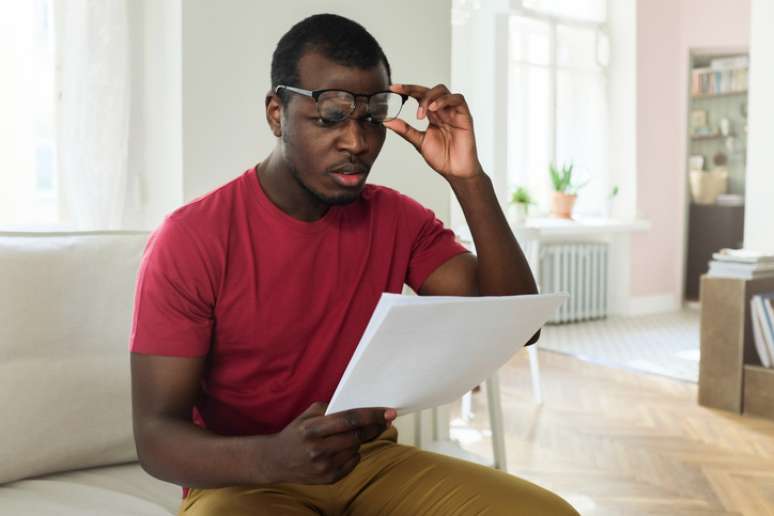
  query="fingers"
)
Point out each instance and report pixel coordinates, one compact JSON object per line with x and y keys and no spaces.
{"x":370,"y":432}
{"x":323,"y":426}
{"x":451,"y":100}
{"x":425,"y":96}
{"x":343,"y":464}
{"x":390,"y":415}
{"x":334,"y":444}
{"x":408,"y":133}
{"x":314,"y":410}
{"x":333,"y":463}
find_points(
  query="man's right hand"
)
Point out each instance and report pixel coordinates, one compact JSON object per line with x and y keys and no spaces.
{"x":319,"y":449}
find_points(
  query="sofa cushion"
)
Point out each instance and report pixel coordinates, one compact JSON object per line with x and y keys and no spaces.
{"x":115,"y":490}
{"x":65,"y":317}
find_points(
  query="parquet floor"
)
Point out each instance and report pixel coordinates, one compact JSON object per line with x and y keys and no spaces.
{"x":615,"y":442}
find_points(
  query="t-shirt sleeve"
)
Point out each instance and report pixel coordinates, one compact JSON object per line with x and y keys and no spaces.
{"x":432,"y":245}
{"x":174,"y":296}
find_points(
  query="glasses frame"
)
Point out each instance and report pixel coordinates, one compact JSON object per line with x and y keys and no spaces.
{"x":315,"y":94}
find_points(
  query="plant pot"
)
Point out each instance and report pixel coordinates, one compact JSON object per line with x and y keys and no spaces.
{"x":562,"y":205}
{"x":517,"y":214}
{"x":707,"y":186}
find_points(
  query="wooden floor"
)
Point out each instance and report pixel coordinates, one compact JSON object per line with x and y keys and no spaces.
{"x":614,"y":442}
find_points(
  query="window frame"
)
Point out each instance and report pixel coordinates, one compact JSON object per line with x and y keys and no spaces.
{"x":601,"y":30}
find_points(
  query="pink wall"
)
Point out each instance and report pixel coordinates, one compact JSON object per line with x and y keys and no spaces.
{"x":666,"y":30}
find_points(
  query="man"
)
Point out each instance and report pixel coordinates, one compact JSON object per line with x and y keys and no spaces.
{"x":251,"y":299}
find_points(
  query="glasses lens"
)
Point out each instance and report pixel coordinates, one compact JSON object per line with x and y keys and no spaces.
{"x":385,"y":106}
{"x":335,"y":106}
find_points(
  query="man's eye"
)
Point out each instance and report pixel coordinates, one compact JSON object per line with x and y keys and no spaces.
{"x":325,"y":123}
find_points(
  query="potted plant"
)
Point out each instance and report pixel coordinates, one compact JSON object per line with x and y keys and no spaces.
{"x":519,"y":205}
{"x":565,"y":191}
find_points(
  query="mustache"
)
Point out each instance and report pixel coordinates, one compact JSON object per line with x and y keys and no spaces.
{"x":349,"y":167}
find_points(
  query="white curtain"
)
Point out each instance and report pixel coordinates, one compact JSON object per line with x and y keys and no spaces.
{"x":93,"y":108}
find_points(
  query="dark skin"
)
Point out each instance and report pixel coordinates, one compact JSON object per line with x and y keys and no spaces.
{"x":299,"y":177}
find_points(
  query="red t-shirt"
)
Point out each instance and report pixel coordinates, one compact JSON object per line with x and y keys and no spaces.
{"x":276,"y":304}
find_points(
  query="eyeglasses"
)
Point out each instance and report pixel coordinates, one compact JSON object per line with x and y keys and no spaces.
{"x":337,"y":105}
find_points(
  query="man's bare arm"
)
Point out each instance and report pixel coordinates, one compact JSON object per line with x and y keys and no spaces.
{"x":170,"y":447}
{"x":448,"y":145}
{"x":312,"y":449}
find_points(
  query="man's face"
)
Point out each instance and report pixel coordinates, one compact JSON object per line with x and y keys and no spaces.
{"x":332,"y":161}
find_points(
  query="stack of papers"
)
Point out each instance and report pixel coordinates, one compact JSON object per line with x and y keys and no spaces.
{"x":741,"y":263}
{"x":422,"y":352}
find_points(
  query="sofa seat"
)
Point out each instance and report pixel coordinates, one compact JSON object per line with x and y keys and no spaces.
{"x":123,"y":490}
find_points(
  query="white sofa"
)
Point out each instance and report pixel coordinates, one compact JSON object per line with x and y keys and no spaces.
{"x":66,"y":445}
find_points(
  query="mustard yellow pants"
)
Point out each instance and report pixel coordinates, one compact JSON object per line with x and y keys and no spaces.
{"x":391,"y":479}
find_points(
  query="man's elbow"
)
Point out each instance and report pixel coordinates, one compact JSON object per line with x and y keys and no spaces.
{"x":143,"y":445}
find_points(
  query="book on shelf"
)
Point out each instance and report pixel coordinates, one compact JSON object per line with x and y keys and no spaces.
{"x":718,"y":81}
{"x":761,"y":345}
{"x":730,"y":63}
{"x":762,"y":319}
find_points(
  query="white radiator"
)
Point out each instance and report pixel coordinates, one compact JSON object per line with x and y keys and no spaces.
{"x":580,"y":269}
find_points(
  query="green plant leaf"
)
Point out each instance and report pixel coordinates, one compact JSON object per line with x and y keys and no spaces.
{"x":521,"y":196}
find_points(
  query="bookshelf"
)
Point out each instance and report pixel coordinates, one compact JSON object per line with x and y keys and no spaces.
{"x":716,"y":95}
{"x":708,"y":137}
{"x":716,"y":158}
{"x":731,"y":376}
{"x":717,"y":117}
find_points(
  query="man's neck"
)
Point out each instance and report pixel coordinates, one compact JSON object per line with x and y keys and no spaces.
{"x":286,"y":193}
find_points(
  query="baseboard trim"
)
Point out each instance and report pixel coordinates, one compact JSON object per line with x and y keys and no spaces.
{"x":646,"y":305}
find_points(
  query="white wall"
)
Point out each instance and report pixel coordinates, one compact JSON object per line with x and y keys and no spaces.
{"x":227,"y":48}
{"x":155,"y":135}
{"x":622,"y":106}
{"x":666,"y":31}
{"x":759,"y":187}
{"x":479,"y":36}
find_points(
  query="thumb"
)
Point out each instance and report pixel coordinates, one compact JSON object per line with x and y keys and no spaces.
{"x":408,"y":133}
{"x":315,"y":409}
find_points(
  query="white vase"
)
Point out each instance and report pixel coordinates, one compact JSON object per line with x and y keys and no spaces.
{"x":517,"y":214}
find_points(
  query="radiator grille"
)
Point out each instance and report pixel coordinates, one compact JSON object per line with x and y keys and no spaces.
{"x":580,"y":269}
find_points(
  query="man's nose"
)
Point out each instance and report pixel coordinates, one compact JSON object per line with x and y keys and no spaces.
{"x":353,"y":137}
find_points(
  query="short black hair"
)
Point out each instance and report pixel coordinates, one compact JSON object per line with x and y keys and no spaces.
{"x":338,"y":38}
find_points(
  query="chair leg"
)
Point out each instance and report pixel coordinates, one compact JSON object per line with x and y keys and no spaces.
{"x":496,"y":422}
{"x":534,"y":368}
{"x":466,"y":408}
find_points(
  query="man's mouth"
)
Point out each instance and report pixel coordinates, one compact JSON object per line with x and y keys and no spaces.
{"x":348,"y":179}
{"x":349,"y":175}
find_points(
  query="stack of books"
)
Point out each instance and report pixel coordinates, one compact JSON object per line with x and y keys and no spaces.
{"x":741,"y":263}
{"x":726,"y":75}
{"x":762,"y":314}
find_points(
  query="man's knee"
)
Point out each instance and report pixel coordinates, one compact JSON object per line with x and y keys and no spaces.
{"x":476,"y":488}
{"x":242,"y":502}
{"x":533,"y":499}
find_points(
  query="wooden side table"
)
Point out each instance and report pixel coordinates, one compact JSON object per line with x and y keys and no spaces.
{"x":731,"y":376}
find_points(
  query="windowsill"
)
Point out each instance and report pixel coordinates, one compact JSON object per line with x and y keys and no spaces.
{"x":545,"y":226}
{"x":537,"y":228}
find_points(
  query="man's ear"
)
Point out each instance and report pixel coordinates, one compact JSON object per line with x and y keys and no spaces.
{"x":274,"y":114}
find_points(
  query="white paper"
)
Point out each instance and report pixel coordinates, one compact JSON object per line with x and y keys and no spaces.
{"x":419,"y":352}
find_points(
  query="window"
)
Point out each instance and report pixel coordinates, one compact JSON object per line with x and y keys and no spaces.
{"x":28,"y":178}
{"x":557,"y":96}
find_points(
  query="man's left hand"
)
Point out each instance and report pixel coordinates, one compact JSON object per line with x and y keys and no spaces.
{"x":448,"y":144}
